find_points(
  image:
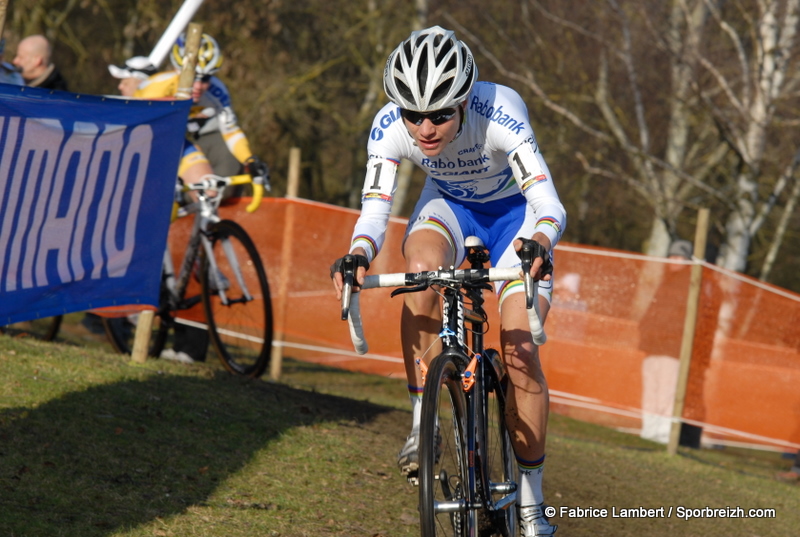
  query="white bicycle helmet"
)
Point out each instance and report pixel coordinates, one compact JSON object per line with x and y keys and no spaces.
{"x":209,"y":55}
{"x":429,"y":71}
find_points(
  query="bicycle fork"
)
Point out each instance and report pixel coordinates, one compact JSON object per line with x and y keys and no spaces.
{"x":215,"y":274}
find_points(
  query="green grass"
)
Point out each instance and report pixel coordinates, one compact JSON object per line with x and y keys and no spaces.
{"x":91,"y":445}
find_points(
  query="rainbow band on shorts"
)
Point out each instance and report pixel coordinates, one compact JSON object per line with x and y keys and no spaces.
{"x":508,"y":288}
{"x":440,"y":226}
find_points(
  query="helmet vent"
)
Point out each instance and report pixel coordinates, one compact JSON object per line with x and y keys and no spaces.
{"x":405,"y":91}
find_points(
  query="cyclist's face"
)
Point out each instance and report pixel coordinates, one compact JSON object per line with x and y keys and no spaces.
{"x":432,"y":139}
{"x":199,"y":87}
{"x":127,"y":86}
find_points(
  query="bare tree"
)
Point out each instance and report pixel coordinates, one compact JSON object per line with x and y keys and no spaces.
{"x":668,"y":151}
{"x":745,"y":102}
{"x":788,"y":211}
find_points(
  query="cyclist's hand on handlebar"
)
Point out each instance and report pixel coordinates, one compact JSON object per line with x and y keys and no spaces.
{"x":539,"y":247}
{"x":361,"y":267}
{"x":257,"y":167}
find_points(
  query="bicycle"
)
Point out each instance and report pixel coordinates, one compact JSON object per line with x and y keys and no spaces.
{"x":467,"y":468}
{"x":234,"y":287}
{"x":45,"y":328}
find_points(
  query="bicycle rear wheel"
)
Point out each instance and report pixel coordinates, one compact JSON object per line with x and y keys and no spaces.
{"x":237,"y":301}
{"x":121,"y":332}
{"x":45,"y":328}
{"x":500,"y":466}
{"x":443,"y":478}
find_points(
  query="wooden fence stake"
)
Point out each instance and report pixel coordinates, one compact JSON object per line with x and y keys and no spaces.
{"x":141,"y":341}
{"x":279,"y":312}
{"x":689,"y":325}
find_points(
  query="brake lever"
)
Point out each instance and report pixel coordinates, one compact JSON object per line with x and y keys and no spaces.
{"x":348,"y":280}
{"x":417,"y":288}
{"x":526,"y":255}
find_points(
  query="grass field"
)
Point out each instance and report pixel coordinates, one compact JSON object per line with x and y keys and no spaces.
{"x":92,"y":445}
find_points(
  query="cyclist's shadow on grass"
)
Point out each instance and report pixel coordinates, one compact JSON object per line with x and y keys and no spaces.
{"x":119,"y":455}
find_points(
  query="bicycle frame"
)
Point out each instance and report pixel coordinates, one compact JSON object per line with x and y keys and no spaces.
{"x":205,"y":215}
{"x":472,"y":363}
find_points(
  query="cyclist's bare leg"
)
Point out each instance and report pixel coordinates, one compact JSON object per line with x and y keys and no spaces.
{"x":422,"y":315}
{"x":421,"y":320}
{"x":527,"y":402}
{"x":528,"y":398}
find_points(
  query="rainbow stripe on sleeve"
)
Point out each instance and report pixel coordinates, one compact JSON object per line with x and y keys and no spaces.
{"x":549,"y":221}
{"x":370,"y":243}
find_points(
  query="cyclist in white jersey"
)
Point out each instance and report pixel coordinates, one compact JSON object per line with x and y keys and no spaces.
{"x":486,"y":177}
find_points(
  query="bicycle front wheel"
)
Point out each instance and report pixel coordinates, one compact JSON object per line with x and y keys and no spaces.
{"x":443,"y":478}
{"x":45,"y":328}
{"x":236,"y":300}
{"x":499,"y":466}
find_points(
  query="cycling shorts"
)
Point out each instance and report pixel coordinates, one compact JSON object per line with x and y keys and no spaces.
{"x":496,"y":223}
{"x":190,"y":156}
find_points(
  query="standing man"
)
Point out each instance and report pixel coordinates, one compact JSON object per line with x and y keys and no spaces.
{"x":486,"y":177}
{"x":33,"y":61}
{"x":660,"y":332}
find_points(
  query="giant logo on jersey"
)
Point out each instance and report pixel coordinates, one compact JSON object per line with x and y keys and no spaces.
{"x":476,"y":189}
{"x":384,"y":122}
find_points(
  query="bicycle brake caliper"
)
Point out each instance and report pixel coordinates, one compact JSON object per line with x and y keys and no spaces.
{"x":422,"y":369}
{"x":469,"y":373}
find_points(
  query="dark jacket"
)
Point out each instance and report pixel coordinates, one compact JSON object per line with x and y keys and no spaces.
{"x":51,"y":80}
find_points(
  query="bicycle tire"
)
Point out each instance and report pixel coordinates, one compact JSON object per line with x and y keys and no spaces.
{"x":45,"y":328}
{"x":500,"y":466}
{"x":443,"y":454}
{"x":240,"y":327}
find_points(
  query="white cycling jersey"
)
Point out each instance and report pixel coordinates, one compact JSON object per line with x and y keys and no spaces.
{"x":494,"y":156}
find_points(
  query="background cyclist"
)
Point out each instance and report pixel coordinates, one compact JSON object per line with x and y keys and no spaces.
{"x":214,"y":141}
{"x":485,"y":177}
{"x":213,"y":126}
{"x":135,"y":71}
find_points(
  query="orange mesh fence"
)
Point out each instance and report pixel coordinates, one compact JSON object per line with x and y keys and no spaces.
{"x":614,"y":330}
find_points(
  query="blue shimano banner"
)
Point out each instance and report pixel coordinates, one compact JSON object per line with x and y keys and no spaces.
{"x":86,"y":190}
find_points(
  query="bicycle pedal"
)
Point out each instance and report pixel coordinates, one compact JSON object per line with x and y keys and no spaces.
{"x":413,"y":479}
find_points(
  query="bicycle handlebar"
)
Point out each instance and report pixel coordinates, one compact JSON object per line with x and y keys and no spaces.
{"x":216,"y":182}
{"x":455,"y":278}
